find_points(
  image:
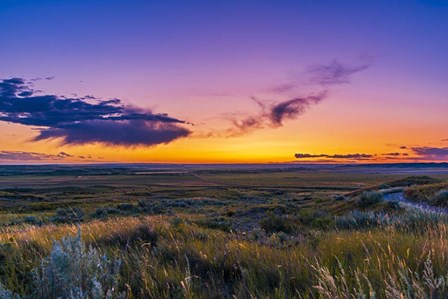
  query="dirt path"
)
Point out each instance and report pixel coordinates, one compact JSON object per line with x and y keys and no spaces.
{"x":399,"y":196}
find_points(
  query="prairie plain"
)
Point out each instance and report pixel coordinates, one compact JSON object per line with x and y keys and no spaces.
{"x":223,"y":231}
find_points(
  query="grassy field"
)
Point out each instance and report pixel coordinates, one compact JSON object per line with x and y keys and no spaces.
{"x":190,"y":231}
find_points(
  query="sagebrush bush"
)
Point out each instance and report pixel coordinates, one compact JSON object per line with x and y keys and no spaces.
{"x":7,"y":294}
{"x":102,"y":213}
{"x":32,"y":220}
{"x":361,"y":220}
{"x":126,"y":207}
{"x":369,"y":198}
{"x":276,"y":223}
{"x":441,"y":198}
{"x":73,"y":270}
{"x":220,"y":223}
{"x":151,"y":207}
{"x":140,"y":235}
{"x":339,"y":198}
{"x":69,"y":215}
{"x":393,"y":205}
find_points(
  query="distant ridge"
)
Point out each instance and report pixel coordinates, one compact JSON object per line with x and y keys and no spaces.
{"x":400,"y":165}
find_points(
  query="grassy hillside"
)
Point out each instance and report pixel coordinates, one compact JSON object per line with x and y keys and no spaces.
{"x":432,"y":194}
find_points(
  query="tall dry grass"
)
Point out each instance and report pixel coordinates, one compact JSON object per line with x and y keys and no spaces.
{"x":161,"y":258}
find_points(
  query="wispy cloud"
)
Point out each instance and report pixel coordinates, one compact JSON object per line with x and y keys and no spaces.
{"x":81,"y":120}
{"x":42,"y":78}
{"x":325,"y":74}
{"x":273,"y":115}
{"x":31,"y":156}
{"x":22,"y":156}
{"x":335,"y":72}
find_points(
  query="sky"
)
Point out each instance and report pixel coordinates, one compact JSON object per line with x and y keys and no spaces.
{"x":223,"y":81}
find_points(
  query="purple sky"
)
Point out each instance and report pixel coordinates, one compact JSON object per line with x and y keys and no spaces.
{"x":381,"y":69}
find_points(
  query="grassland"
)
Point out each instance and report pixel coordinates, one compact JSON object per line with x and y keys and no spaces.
{"x":221,"y":232}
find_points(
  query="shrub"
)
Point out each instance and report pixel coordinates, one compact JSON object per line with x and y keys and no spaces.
{"x":393,"y":205}
{"x":74,"y":271}
{"x":361,"y":220}
{"x":142,"y":234}
{"x":339,"y":197}
{"x":383,"y":186}
{"x":126,"y":207}
{"x":441,"y":198}
{"x":369,"y":198}
{"x":417,"y":220}
{"x":323,"y":222}
{"x":7,"y":294}
{"x":70,"y":215}
{"x":306,"y":216}
{"x":102,"y":213}
{"x":273,"y":223}
{"x":220,"y":223}
{"x":176,"y":221}
{"x":32,"y":220}
{"x":151,"y":207}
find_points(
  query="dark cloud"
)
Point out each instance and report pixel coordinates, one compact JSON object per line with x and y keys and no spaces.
{"x":292,"y":108}
{"x":352,"y":156}
{"x":65,"y":155}
{"x":336,"y":156}
{"x":273,"y":115}
{"x":42,"y":78}
{"x":135,"y":132}
{"x":85,"y":120}
{"x":392,"y":154}
{"x":31,"y":156}
{"x":435,"y":153}
{"x":403,"y":147}
{"x":444,"y":140}
{"x":310,"y":156}
{"x":335,"y":72}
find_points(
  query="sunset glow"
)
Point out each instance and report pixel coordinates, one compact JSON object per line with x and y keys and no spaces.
{"x":223,"y":82}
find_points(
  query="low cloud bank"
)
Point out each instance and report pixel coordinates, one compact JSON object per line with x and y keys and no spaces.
{"x":335,"y":156}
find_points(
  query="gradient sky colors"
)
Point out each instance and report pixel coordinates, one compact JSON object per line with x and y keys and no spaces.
{"x":223,"y":81}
